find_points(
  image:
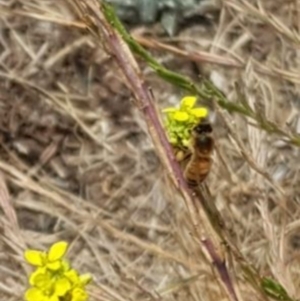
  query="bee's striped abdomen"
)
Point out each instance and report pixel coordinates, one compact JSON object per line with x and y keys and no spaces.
{"x":197,"y":170}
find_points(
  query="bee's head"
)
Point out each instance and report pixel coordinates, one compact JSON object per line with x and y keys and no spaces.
{"x":202,"y":137}
{"x":203,"y":128}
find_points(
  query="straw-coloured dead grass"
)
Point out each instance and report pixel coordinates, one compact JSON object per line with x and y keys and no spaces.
{"x":77,"y":163}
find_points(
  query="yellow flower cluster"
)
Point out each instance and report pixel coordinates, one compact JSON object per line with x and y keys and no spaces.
{"x":181,"y":120}
{"x":54,"y":279}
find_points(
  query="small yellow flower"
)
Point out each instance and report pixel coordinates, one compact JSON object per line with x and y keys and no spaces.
{"x":180,"y":120}
{"x":51,"y":260}
{"x":54,"y":279}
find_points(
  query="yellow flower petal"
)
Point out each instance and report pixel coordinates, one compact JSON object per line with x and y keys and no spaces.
{"x":54,"y":266}
{"x":73,"y":276}
{"x":199,"y":112}
{"x":52,"y":298}
{"x":188,"y":102}
{"x":79,"y":294}
{"x":34,"y":294}
{"x":35,"y":258}
{"x":173,"y":140}
{"x":62,"y":286}
{"x":169,"y":110}
{"x":57,"y":251}
{"x":181,"y":116}
{"x":33,"y":276}
{"x":65,"y":265}
{"x":85,"y":279}
{"x":185,"y":142}
{"x":42,"y":281}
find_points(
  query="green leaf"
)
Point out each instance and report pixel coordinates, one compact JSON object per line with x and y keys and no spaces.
{"x":275,"y":290}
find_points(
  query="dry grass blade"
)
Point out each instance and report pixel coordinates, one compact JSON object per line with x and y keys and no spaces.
{"x":234,"y":61}
{"x":74,"y":113}
{"x":26,"y":182}
{"x":5,"y":203}
{"x":199,"y":56}
{"x":262,"y":14}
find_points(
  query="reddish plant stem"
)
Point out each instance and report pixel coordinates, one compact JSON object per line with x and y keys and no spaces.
{"x":144,"y":98}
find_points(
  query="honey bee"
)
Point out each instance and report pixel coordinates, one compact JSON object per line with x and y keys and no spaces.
{"x":201,"y":147}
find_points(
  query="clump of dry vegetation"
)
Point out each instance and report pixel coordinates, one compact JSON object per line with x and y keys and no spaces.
{"x":77,"y":162}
